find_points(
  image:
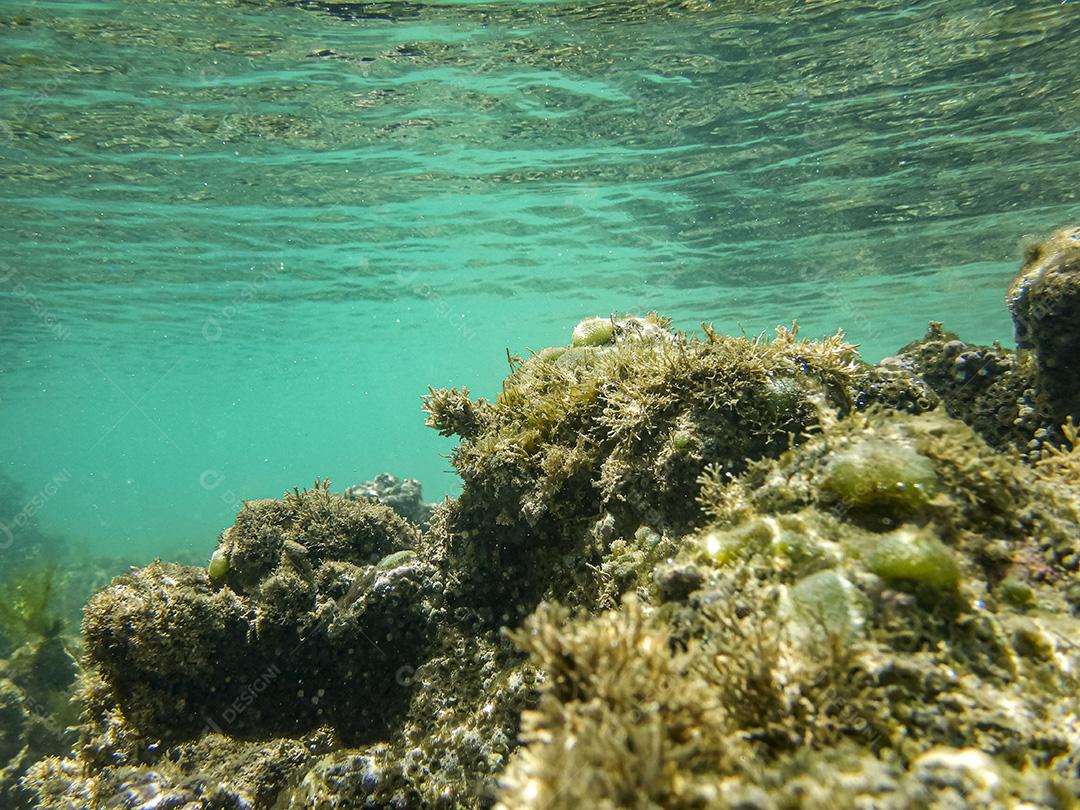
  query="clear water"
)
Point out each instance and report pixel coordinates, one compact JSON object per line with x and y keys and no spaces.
{"x":231,"y":265}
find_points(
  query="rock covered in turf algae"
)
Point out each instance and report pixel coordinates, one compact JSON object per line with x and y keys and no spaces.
{"x":316,"y":598}
{"x":1044,"y":300}
{"x":36,"y":712}
{"x":1019,"y":399}
{"x":585,"y":445}
{"x":990,"y":388}
{"x":743,"y":623}
{"x":826,"y":657}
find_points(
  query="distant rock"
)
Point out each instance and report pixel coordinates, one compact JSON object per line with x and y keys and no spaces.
{"x":403,"y":495}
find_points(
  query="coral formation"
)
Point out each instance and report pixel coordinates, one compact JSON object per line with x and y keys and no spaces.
{"x":683,"y":572}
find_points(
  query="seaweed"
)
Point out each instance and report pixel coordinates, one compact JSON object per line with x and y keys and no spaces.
{"x":28,"y":604}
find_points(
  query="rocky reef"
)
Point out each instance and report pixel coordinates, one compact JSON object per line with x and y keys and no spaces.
{"x":684,"y":571}
{"x":1018,"y":400}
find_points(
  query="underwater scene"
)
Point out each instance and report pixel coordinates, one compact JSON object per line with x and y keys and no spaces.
{"x":539,"y":404}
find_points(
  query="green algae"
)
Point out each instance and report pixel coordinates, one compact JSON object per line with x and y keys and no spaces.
{"x":880,"y":475}
{"x":219,"y":565}
{"x":827,"y":602}
{"x":912,"y":555}
{"x":1016,"y":592}
{"x":594,"y":332}
{"x":29,"y":606}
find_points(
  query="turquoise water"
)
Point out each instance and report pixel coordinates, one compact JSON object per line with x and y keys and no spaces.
{"x":240,"y":239}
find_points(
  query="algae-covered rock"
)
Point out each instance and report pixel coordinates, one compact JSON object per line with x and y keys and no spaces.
{"x":855,"y":663}
{"x":577,"y":453}
{"x":403,"y":495}
{"x":1044,"y":300}
{"x":35,"y":714}
{"x":1015,"y":399}
{"x":308,"y":608}
{"x":682,"y":573}
{"x":991,"y":389}
{"x":984,"y":500}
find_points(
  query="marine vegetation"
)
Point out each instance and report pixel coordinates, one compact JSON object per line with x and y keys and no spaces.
{"x":589,"y":443}
{"x":316,"y":597}
{"x":37,"y":671}
{"x":28,"y":605}
{"x":684,"y":572}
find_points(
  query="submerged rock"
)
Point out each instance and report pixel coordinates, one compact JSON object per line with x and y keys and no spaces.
{"x":35,"y":715}
{"x":403,"y":495}
{"x":990,"y":388}
{"x":316,"y":611}
{"x":683,"y":572}
{"x":1044,"y":300}
{"x":1016,"y":399}
{"x":572,"y":455}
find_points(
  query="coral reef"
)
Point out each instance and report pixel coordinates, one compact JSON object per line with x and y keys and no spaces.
{"x":683,"y":572}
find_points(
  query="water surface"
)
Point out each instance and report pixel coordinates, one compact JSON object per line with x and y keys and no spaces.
{"x":240,"y":239}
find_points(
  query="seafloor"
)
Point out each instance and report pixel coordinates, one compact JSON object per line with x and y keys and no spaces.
{"x":683,"y":571}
